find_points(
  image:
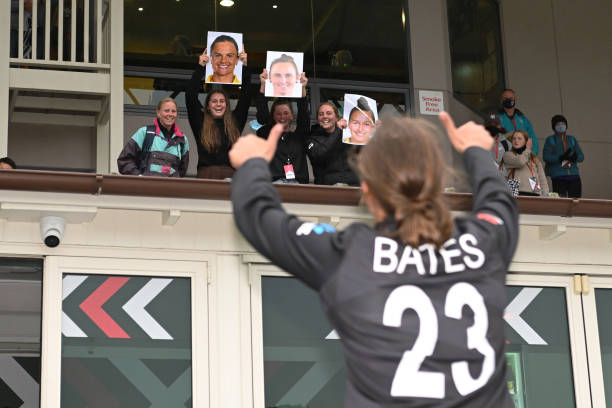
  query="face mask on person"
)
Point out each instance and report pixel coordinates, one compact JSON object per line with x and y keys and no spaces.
{"x":508,"y":103}
{"x":560,"y":128}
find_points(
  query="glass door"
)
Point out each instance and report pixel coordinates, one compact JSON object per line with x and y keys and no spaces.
{"x":545,"y":343}
{"x":597,"y":301}
{"x":298,"y":358}
{"x":123,"y":333}
{"x":20,"y":320}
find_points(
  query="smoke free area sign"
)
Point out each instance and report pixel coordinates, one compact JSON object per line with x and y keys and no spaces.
{"x":431,"y":102}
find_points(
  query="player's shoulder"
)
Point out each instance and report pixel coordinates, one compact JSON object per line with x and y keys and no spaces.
{"x":484,"y":225}
{"x":356,"y":233}
{"x":358,"y":230}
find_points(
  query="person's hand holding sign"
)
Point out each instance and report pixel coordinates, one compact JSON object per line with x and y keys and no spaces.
{"x":204,"y":58}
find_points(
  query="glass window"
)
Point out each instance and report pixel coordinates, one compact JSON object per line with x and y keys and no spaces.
{"x":166,"y":34}
{"x":388,"y":103}
{"x":287,"y":27}
{"x":303,"y":363}
{"x":476,"y":52}
{"x":603,"y":300}
{"x":149,"y":91}
{"x":126,"y":341}
{"x":538,"y":348}
{"x":20,"y":320}
{"x":361,"y":40}
{"x":350,"y":41}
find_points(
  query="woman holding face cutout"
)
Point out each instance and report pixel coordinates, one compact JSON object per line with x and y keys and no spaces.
{"x":289,"y":164}
{"x":328,"y":155}
{"x":215,"y":127}
{"x":361,"y":122}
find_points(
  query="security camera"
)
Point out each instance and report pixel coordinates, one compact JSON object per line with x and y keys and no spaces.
{"x":52,"y":230}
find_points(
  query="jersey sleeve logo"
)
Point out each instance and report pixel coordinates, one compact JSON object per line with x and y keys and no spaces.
{"x":319,"y":229}
{"x":490,"y":218}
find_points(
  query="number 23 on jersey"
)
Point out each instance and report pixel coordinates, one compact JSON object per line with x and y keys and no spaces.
{"x":409,"y":381}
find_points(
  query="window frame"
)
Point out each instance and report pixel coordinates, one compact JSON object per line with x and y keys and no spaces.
{"x":51,"y":334}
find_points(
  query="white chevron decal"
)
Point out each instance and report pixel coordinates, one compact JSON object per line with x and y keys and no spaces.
{"x":512,"y":316}
{"x":333,"y":335}
{"x":69,"y":284}
{"x":135,"y":308}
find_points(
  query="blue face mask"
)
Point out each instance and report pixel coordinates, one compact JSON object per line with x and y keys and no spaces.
{"x":561,"y":128}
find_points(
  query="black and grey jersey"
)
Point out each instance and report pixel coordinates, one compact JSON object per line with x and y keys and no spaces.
{"x":420,"y":327}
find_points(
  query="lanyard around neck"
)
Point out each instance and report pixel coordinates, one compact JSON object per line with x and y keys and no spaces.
{"x":530,"y":167}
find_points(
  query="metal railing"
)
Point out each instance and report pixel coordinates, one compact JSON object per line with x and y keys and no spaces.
{"x":61,"y":34}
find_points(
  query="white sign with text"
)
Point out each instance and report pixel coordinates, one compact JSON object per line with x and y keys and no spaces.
{"x":431,"y":102}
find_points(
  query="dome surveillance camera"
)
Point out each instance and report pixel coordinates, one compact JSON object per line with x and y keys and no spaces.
{"x":52,"y":230}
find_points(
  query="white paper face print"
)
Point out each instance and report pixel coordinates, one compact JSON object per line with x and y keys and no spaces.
{"x":224,"y":66}
{"x":284,"y":71}
{"x":361,"y":116}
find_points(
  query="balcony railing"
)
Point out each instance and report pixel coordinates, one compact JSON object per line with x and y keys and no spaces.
{"x":61,"y":34}
{"x":109,"y":184}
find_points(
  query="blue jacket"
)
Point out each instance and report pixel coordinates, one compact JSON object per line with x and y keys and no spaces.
{"x":553,"y":149}
{"x":169,"y":157}
{"x":522,"y":123}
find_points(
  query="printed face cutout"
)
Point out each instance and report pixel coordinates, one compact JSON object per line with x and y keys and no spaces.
{"x":224,"y":65}
{"x":284,"y":71}
{"x":361,"y":115}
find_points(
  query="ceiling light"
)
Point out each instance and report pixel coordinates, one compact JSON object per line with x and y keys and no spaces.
{"x":227,"y":3}
{"x":274,"y":6}
{"x":140,"y":9}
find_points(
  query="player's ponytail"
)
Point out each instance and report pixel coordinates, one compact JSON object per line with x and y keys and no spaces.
{"x":404,"y":170}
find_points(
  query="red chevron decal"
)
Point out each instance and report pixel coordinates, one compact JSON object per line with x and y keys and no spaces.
{"x":92,"y":306}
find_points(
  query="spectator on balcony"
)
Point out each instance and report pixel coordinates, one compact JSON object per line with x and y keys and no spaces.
{"x":525,"y":166}
{"x":500,"y":145}
{"x":216,"y":127}
{"x":328,"y":155}
{"x":160,"y":149}
{"x":562,"y":153}
{"x":513,"y":119}
{"x":6,"y":163}
{"x":289,"y":164}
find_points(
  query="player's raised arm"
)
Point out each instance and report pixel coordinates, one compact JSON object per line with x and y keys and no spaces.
{"x":295,"y":246}
{"x":493,"y":202}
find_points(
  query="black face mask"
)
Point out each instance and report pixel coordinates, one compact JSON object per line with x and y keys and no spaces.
{"x":520,"y":150}
{"x":493,"y":131}
{"x":508,"y":103}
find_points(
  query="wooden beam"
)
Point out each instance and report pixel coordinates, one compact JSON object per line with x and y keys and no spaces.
{"x":64,"y":81}
{"x":53,"y":119}
{"x":72,"y":104}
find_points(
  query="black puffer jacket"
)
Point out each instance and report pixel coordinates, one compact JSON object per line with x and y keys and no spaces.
{"x":292,"y":145}
{"x":329,"y":157}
